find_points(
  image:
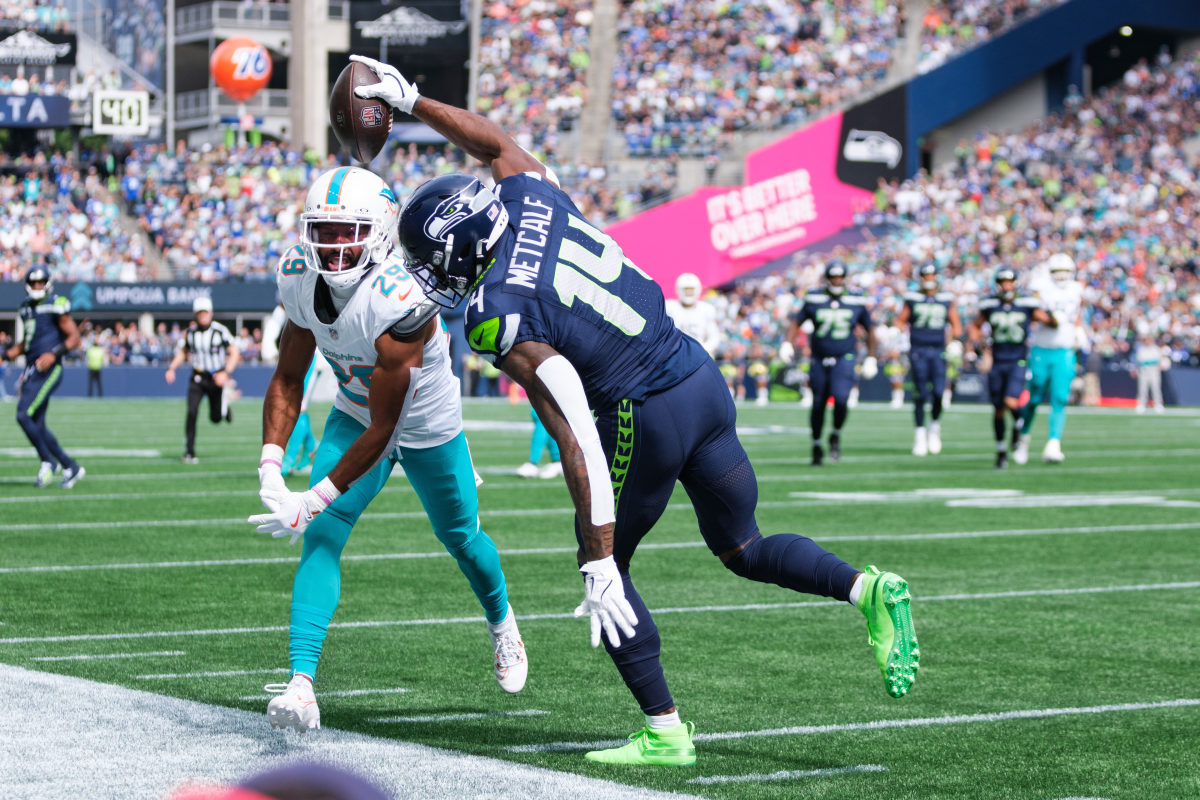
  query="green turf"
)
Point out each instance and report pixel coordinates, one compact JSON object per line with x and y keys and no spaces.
{"x":1003,"y":623}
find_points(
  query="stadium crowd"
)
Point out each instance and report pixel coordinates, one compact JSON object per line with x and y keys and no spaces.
{"x":1112,"y":180}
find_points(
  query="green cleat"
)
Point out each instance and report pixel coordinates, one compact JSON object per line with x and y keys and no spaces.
{"x":884,"y":602}
{"x":671,"y":747}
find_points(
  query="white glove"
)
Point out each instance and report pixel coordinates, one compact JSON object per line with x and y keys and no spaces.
{"x":954,"y":349}
{"x":270,"y":476}
{"x":604,"y":599}
{"x":393,"y":88}
{"x":295,"y":510}
{"x":870,"y":368}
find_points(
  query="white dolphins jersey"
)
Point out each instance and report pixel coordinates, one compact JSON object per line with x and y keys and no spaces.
{"x":1063,"y":303}
{"x":698,"y":321}
{"x":386,"y":293}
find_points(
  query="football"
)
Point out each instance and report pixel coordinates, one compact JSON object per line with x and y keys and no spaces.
{"x":361,"y":125}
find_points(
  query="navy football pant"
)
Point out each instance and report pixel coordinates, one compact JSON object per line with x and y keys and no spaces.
{"x":928,"y":372}
{"x":687,"y":433}
{"x":36,"y":388}
{"x":1007,"y":379}
{"x":830,"y":377}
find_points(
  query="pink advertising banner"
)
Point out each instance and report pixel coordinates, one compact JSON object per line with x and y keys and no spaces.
{"x":791,"y":198}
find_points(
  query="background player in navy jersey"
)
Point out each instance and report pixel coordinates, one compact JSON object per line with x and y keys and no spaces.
{"x":1007,"y":317}
{"x":928,"y":313}
{"x":47,"y":333}
{"x":555,"y":304}
{"x":835,"y":315}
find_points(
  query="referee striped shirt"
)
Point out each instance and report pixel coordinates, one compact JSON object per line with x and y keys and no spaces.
{"x":207,"y":348}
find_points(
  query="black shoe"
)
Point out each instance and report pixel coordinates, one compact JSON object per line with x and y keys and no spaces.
{"x":835,"y":446}
{"x":818,"y":455}
{"x":1002,"y":459}
{"x":229,"y":415}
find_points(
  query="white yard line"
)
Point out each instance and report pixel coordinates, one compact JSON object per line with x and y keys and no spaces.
{"x":529,"y":712}
{"x":93,"y":637}
{"x":227,"y":673}
{"x":787,"y":775}
{"x":68,"y":737}
{"x":875,"y":725}
{"x":103,"y":656}
{"x":342,"y":693}
{"x":645,"y":546}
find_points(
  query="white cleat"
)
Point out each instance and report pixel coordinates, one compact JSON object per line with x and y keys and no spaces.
{"x":45,"y":474}
{"x":296,"y":706}
{"x":1053,"y":453}
{"x":511,"y":666}
{"x":528,"y":470}
{"x":1021,"y":451}
{"x":551,"y":470}
{"x":935,"y":441}
{"x":71,"y":476}
{"x":920,"y":443}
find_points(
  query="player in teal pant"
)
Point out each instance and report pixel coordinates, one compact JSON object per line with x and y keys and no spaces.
{"x":541,"y":441}
{"x":302,"y":445}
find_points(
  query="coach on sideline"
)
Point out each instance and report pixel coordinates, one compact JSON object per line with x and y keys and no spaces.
{"x":214,"y":356}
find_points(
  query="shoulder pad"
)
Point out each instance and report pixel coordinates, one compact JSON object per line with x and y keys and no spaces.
{"x":414,"y":319}
{"x":60,"y":304}
{"x":944,"y":297}
{"x":855,"y":299}
{"x":815,"y":297}
{"x":1029,"y":302}
{"x":988,"y":302}
{"x":912,"y":297}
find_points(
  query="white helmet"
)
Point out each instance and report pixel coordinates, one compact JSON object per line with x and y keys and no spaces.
{"x":688,"y":288}
{"x":354,"y":196}
{"x":1062,"y":267}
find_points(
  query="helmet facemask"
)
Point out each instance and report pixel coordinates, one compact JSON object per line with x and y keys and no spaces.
{"x":318,"y":238}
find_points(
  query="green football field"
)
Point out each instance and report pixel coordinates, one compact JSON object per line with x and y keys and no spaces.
{"x":1057,"y":606}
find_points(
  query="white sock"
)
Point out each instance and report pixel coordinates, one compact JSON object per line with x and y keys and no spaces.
{"x":856,"y":590}
{"x":504,"y":624}
{"x":1002,"y":446}
{"x":936,"y":427}
{"x":663,"y":721}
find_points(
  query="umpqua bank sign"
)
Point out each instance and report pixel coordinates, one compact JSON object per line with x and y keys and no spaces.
{"x":113,"y":299}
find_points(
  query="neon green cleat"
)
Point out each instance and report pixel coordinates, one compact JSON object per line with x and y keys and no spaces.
{"x":884,"y":602}
{"x":671,"y":747}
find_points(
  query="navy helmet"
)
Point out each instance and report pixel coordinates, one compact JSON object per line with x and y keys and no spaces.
{"x":1005,"y":274}
{"x":835,"y":269}
{"x":38,"y":274}
{"x":447,"y":230}
{"x":928,"y":276}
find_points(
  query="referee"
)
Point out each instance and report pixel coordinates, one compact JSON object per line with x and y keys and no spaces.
{"x":214,"y":356}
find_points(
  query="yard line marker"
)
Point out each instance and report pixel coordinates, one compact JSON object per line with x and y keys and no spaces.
{"x":219,"y":674}
{"x":876,"y":725}
{"x":858,"y":537}
{"x":391,"y":623}
{"x":342,"y":693}
{"x":787,"y":775}
{"x":530,"y":712}
{"x":100,"y":656}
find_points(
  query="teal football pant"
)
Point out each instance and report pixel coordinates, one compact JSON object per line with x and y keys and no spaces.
{"x":444,"y":481}
{"x":1051,"y":370}
{"x":542,"y":440}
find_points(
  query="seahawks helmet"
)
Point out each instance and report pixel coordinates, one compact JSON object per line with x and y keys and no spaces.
{"x":835,"y":269}
{"x":447,"y":231}
{"x":928,"y":275}
{"x":1006,"y":274}
{"x":349,"y":196}
{"x":40,"y":275}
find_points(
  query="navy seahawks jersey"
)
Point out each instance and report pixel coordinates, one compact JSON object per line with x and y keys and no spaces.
{"x":834,"y":320}
{"x":1009,"y":322}
{"x":39,"y":324}
{"x":555,"y":278}
{"x":928,"y":316}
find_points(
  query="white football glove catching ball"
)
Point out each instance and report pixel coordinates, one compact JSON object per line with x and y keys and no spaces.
{"x":393,"y":88}
{"x":604,"y":599}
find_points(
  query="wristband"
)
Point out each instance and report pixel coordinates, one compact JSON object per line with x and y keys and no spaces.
{"x":271,"y":454}
{"x":326,"y":491}
{"x":59,"y":349}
